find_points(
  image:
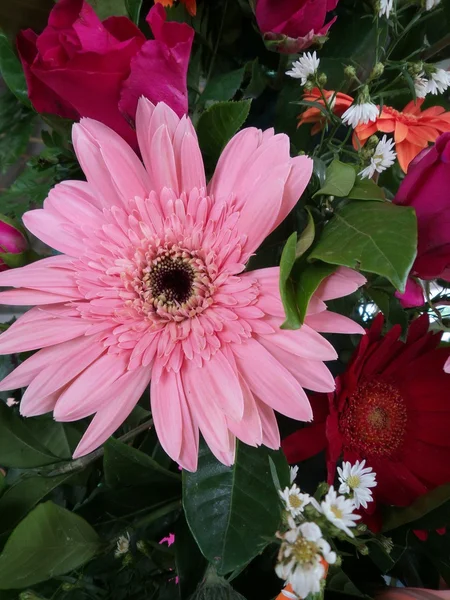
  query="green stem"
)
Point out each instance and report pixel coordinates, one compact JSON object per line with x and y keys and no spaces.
{"x":84,"y":461}
{"x":437,"y":47}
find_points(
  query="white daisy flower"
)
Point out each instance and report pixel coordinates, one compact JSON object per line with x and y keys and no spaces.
{"x":300,"y":561}
{"x":123,"y":545}
{"x":293,"y":471}
{"x":294,"y":500}
{"x":339,"y":511}
{"x":360,"y":113}
{"x":439,"y":82}
{"x":356,"y":481}
{"x":305,"y":67}
{"x":383,"y":158}
{"x":421,"y":85}
{"x":385,"y":7}
{"x":430,"y":4}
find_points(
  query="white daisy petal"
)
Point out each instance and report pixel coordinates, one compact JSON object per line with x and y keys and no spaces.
{"x":439,"y":82}
{"x":305,"y":67}
{"x":360,"y":113}
{"x":430,"y":4}
{"x":383,"y":158}
{"x":293,"y":471}
{"x":339,"y":511}
{"x":294,"y":500}
{"x":385,"y":7}
{"x":421,"y":85}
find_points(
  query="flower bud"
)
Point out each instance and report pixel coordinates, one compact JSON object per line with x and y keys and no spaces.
{"x":309,"y":85}
{"x":361,"y":528}
{"x":322,"y":79}
{"x":377,"y":71}
{"x":350,"y":72}
{"x":13,"y":244}
{"x":364,"y":550}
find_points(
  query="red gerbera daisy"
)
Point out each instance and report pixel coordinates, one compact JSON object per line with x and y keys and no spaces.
{"x":391,"y":407}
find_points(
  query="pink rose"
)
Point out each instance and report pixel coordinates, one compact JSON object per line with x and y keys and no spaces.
{"x":12,"y":243}
{"x":425,"y":188}
{"x":293,"y":25}
{"x":80,"y":66}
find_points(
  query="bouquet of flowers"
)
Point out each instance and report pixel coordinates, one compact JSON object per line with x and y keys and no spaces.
{"x":225,"y":271}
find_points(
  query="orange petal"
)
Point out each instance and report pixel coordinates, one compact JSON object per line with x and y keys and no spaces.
{"x":406,"y":152}
{"x":401,"y":132}
{"x":191,"y":6}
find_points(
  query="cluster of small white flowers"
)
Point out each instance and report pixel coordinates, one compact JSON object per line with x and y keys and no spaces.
{"x":122,"y":546}
{"x":436,"y":83}
{"x":360,"y":113}
{"x":305,"y":67}
{"x":301,"y":557}
{"x":385,"y":8}
{"x":383,"y":158}
{"x":439,"y":82}
{"x":294,"y":500}
{"x":430,"y":4}
{"x":356,"y":481}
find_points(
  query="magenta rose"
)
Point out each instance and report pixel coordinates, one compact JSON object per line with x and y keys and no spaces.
{"x":425,"y":188}
{"x":13,"y":244}
{"x":80,"y":66}
{"x":293,"y":25}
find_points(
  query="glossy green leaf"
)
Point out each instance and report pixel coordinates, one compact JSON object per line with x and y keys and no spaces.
{"x":377,"y":237}
{"x":218,"y":124}
{"x":19,"y":448}
{"x":424,"y":506}
{"x":223,"y":87}
{"x":109,"y":8}
{"x":287,"y":288}
{"x":50,"y":541}
{"x":134,"y":9}
{"x":233,"y":511}
{"x":22,"y":496}
{"x":125,"y":465}
{"x":309,"y":280}
{"x":366,"y":189}
{"x":341,"y":583}
{"x":306,"y":237}
{"x":340,"y":178}
{"x":11,"y":71}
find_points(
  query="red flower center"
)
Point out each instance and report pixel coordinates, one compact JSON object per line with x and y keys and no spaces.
{"x":373,"y":422}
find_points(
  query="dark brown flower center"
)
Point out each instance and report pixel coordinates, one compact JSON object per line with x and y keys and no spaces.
{"x":373,"y":421}
{"x":170,"y":280}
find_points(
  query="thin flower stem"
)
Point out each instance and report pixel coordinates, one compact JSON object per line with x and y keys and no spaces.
{"x":81,"y":463}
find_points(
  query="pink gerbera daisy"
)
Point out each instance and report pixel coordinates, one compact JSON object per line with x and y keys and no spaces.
{"x":151,"y":286}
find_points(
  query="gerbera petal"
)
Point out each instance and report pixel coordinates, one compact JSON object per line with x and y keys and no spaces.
{"x":270,"y":431}
{"x":166,"y":401}
{"x":270,"y":381}
{"x":82,"y":397}
{"x":249,"y":428}
{"x":342,"y":282}
{"x":299,"y":176}
{"x":330,"y":322}
{"x":110,"y":165}
{"x":125,"y":395}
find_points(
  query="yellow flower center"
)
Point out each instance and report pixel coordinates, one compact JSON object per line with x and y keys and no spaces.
{"x":353,"y":481}
{"x":336,"y":511}
{"x":295,"y":501}
{"x":304,"y":551}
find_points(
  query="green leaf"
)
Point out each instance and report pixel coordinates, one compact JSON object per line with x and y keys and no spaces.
{"x":366,"y":189}
{"x":22,"y":496}
{"x":233,"y":512}
{"x":223,"y":87}
{"x":30,"y":189}
{"x":309,"y":280}
{"x":16,"y":126}
{"x":19,"y":448}
{"x":109,"y":8}
{"x":287,"y":290}
{"x":124,"y":465}
{"x":134,"y":9}
{"x":190,"y":562}
{"x":394,"y":517}
{"x":12,"y":71}
{"x":218,"y":124}
{"x":306,"y":237}
{"x":340,"y":582}
{"x":59,"y":438}
{"x":340,"y":178}
{"x":49,"y":542}
{"x":377,"y":237}
{"x":258,"y":81}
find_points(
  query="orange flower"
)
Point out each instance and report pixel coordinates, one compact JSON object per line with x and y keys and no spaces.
{"x":191,"y":5}
{"x":339,"y":104}
{"x":413,"y":129}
